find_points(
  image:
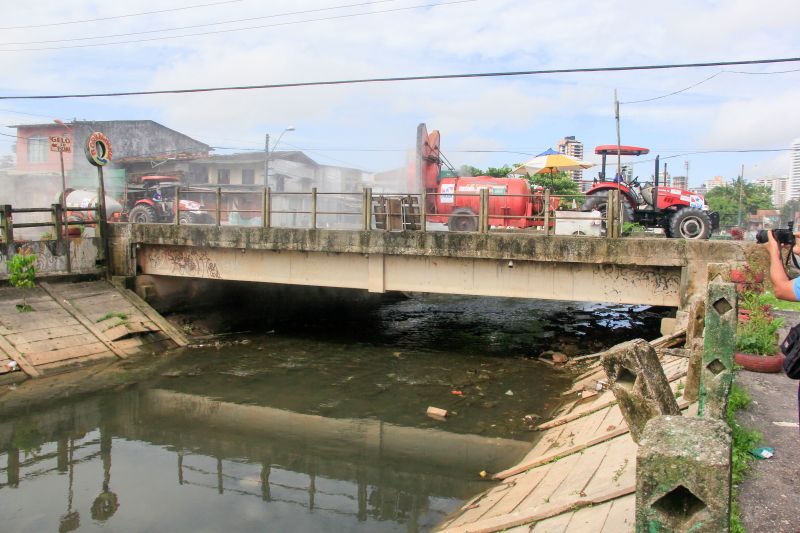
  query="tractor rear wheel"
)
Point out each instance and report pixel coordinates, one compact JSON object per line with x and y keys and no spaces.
{"x":690,"y":223}
{"x":599,"y":201}
{"x":143,"y":214}
{"x":463,"y":220}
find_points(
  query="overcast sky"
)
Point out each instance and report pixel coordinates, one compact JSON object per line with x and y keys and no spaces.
{"x":346,"y":124}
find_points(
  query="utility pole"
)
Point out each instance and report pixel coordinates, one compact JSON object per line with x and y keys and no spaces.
{"x":666,"y":183}
{"x":686,"y":164}
{"x":741,"y":191}
{"x":266,"y":160}
{"x":618,"y":207}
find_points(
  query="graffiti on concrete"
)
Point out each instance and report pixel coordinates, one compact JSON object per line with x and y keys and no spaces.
{"x":184,"y":262}
{"x":51,"y":255}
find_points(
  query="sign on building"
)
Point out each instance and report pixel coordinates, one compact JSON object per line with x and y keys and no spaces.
{"x":60,"y":144}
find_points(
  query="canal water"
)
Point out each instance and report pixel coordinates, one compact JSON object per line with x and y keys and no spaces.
{"x":316,"y":424}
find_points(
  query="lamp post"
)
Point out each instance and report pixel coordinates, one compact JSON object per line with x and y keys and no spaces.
{"x":267,"y":152}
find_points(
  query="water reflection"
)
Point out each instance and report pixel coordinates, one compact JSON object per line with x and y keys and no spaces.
{"x":184,"y":462}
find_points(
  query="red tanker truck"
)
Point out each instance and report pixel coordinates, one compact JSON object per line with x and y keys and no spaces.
{"x":455,"y":201}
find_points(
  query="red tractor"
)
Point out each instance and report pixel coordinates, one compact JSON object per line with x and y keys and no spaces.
{"x":681,"y":213}
{"x":155,"y":202}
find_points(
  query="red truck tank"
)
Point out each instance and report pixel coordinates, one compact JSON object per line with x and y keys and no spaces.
{"x":511,"y":200}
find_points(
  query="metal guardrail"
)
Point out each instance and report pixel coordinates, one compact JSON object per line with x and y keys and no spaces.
{"x":397,"y":211}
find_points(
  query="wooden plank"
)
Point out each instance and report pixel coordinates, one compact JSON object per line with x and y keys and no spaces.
{"x":79,"y":339}
{"x":43,"y":358}
{"x":83,"y":320}
{"x":555,"y":524}
{"x":21,"y":360}
{"x":39,"y":323}
{"x":618,"y":468}
{"x":600,"y":401}
{"x":78,"y":361}
{"x":152,"y":314}
{"x":518,"y":518}
{"x":540,"y":496}
{"x":524,"y":484}
{"x":44,"y":333}
{"x":622,"y":516}
{"x":578,"y":476}
{"x":482,"y":505}
{"x":586,"y":520}
{"x":521,"y":467}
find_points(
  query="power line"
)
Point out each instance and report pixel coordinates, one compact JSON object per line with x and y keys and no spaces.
{"x":675,"y":92}
{"x":701,"y":152}
{"x":177,"y":28}
{"x":410,"y":78}
{"x":216,"y":32}
{"x":119,"y":16}
{"x":705,"y":80}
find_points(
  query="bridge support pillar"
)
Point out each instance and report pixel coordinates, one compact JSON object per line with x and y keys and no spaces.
{"x":377,"y":273}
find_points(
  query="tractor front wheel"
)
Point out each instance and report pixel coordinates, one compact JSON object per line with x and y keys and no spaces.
{"x":690,"y":223}
{"x":143,"y":214}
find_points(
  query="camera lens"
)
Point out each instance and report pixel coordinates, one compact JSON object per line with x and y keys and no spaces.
{"x":761,"y":236}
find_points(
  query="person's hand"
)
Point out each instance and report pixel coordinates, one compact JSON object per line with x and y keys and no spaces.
{"x":796,"y":249}
{"x":772,"y":245}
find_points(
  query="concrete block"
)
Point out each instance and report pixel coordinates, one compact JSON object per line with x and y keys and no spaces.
{"x":667,"y":326}
{"x":695,"y":321}
{"x":683,"y":476}
{"x":718,"y":347}
{"x":691,"y":391}
{"x":638,"y":382}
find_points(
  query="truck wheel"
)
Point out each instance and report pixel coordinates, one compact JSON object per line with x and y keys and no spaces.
{"x":143,"y":214}
{"x":463,"y":220}
{"x":187,"y":218}
{"x":690,"y":223}
{"x":599,"y":201}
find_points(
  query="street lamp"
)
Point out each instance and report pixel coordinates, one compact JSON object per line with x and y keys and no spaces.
{"x":267,"y":152}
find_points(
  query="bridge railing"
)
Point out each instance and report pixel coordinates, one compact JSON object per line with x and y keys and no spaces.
{"x":60,"y":220}
{"x":480,"y":211}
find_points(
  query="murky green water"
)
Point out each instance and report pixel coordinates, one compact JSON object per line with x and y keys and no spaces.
{"x":318,"y":425}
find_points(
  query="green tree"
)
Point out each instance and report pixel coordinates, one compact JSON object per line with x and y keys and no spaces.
{"x":500,"y":172}
{"x":789,"y":211}
{"x":725,"y":201}
{"x":469,"y":170}
{"x":559,"y":183}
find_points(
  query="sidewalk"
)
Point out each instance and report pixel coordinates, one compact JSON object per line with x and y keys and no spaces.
{"x":769,"y":497}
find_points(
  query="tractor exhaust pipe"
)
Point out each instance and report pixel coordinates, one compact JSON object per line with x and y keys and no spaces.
{"x":655,"y":187}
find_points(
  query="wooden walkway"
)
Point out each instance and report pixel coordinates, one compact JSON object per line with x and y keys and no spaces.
{"x":77,"y":323}
{"x":579,"y":477}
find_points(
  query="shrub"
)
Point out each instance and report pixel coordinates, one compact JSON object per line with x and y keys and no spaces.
{"x":22,"y":268}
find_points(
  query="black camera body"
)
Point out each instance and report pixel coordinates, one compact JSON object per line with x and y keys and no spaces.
{"x":783,"y":236}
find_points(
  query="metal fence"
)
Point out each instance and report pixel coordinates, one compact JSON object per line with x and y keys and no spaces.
{"x":394,"y":211}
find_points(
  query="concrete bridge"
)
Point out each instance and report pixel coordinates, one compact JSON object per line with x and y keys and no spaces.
{"x":648,"y":271}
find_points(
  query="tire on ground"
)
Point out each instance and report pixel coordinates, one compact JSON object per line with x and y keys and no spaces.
{"x":690,"y":223}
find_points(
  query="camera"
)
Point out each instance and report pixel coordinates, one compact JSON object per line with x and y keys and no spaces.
{"x":783,"y":236}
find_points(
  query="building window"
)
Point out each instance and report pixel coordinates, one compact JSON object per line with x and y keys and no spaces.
{"x":248,"y":176}
{"x":223,"y":176}
{"x":37,"y":149}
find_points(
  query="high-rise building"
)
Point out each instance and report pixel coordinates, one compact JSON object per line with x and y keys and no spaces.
{"x":779,"y":186}
{"x":716,"y":181}
{"x":573,"y":148}
{"x":680,"y":182}
{"x":793,"y":192}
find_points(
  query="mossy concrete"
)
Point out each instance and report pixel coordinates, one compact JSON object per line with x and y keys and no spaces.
{"x":719,"y":343}
{"x":637,"y":380}
{"x":683,"y":476}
